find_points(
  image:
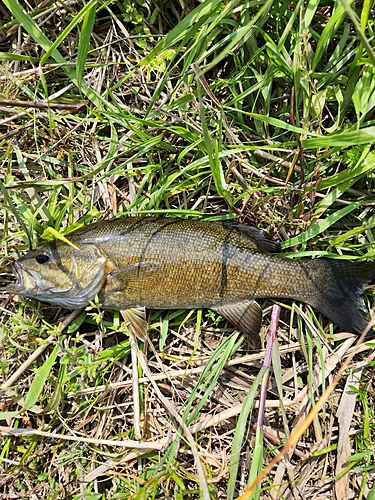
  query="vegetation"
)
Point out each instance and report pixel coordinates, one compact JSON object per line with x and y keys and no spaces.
{"x":257,"y":110}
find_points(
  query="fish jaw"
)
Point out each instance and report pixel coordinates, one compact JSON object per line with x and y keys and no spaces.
{"x":18,"y":287}
{"x":30,"y":284}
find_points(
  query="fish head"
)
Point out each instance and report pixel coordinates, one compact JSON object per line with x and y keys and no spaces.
{"x":61,"y":274}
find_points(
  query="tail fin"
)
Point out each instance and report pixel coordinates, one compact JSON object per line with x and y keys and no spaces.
{"x":340,"y":301}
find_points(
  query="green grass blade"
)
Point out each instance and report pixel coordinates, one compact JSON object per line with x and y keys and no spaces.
{"x":364,"y":166}
{"x":85,"y":14}
{"x":211,"y":373}
{"x":186,"y":27}
{"x":276,"y":122}
{"x":327,"y":34}
{"x":310,"y":11}
{"x":16,"y":213}
{"x":211,"y":148}
{"x":241,"y":431}
{"x":357,"y":26}
{"x":39,"y":380}
{"x":88,"y":12}
{"x":34,"y":30}
{"x":345,"y":139}
{"x":240,"y":36}
{"x":36,"y":387}
{"x":257,"y":460}
{"x":36,"y":33}
{"x":321,"y":226}
{"x":206,"y":384}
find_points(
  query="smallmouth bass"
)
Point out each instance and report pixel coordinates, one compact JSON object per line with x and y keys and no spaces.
{"x":168,"y":263}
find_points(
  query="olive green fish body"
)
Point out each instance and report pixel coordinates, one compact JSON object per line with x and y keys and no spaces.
{"x":176,"y":263}
{"x":172,"y":263}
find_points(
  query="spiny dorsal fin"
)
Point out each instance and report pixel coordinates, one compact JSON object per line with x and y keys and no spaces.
{"x":262,"y":240}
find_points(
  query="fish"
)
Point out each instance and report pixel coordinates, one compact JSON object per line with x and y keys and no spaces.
{"x":132,"y":263}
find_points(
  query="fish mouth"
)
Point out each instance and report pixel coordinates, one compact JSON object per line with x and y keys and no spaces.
{"x":17,"y":271}
{"x":19,"y":286}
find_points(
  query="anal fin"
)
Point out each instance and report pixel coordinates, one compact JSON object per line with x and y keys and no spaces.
{"x":246,"y":315}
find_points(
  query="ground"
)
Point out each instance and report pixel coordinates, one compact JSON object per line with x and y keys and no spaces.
{"x":261,"y":112}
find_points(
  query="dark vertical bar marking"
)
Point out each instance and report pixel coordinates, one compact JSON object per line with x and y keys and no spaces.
{"x":260,"y":277}
{"x":139,"y":221}
{"x":225,"y":255}
{"x":154,"y":234}
{"x":309,"y":276}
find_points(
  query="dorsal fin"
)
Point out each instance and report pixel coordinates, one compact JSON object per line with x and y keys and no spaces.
{"x":262,"y":240}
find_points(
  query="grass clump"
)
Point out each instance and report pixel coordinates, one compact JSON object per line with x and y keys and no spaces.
{"x":261,"y":111}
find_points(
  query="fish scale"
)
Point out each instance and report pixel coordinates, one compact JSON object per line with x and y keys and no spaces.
{"x":165,"y":263}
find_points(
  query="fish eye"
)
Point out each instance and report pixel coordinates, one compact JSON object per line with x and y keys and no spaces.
{"x":42,"y":258}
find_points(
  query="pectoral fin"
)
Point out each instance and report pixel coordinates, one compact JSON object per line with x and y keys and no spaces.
{"x":246,"y":316}
{"x":136,"y":320}
{"x":133,"y":278}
